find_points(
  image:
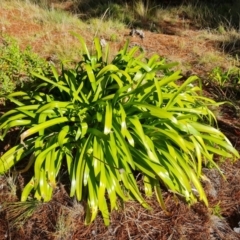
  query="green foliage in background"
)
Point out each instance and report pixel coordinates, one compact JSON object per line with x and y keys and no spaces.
{"x":16,"y":65}
{"x":225,"y":77}
{"x":106,"y":122}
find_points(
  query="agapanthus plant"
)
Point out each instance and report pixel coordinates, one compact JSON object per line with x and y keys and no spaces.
{"x":105,"y":121}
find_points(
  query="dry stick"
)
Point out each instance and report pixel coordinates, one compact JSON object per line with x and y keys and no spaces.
{"x":103,"y":16}
{"x":30,"y":163}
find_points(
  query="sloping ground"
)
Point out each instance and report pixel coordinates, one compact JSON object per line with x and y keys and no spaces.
{"x":63,"y":218}
{"x":193,"y":49}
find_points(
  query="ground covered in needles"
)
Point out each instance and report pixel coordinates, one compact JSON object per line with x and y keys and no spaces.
{"x":63,"y":217}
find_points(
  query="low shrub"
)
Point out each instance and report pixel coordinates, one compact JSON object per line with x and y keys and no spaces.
{"x":224,"y":78}
{"x":16,"y":65}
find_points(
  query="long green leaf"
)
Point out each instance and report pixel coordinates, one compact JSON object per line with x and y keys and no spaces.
{"x":44,"y":125}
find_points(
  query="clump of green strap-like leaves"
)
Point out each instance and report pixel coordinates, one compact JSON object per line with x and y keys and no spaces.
{"x":109,"y":121}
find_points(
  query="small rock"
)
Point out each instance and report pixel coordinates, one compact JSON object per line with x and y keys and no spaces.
{"x":132,"y":33}
{"x":140,"y":33}
{"x":237,"y":230}
{"x":103,"y":42}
